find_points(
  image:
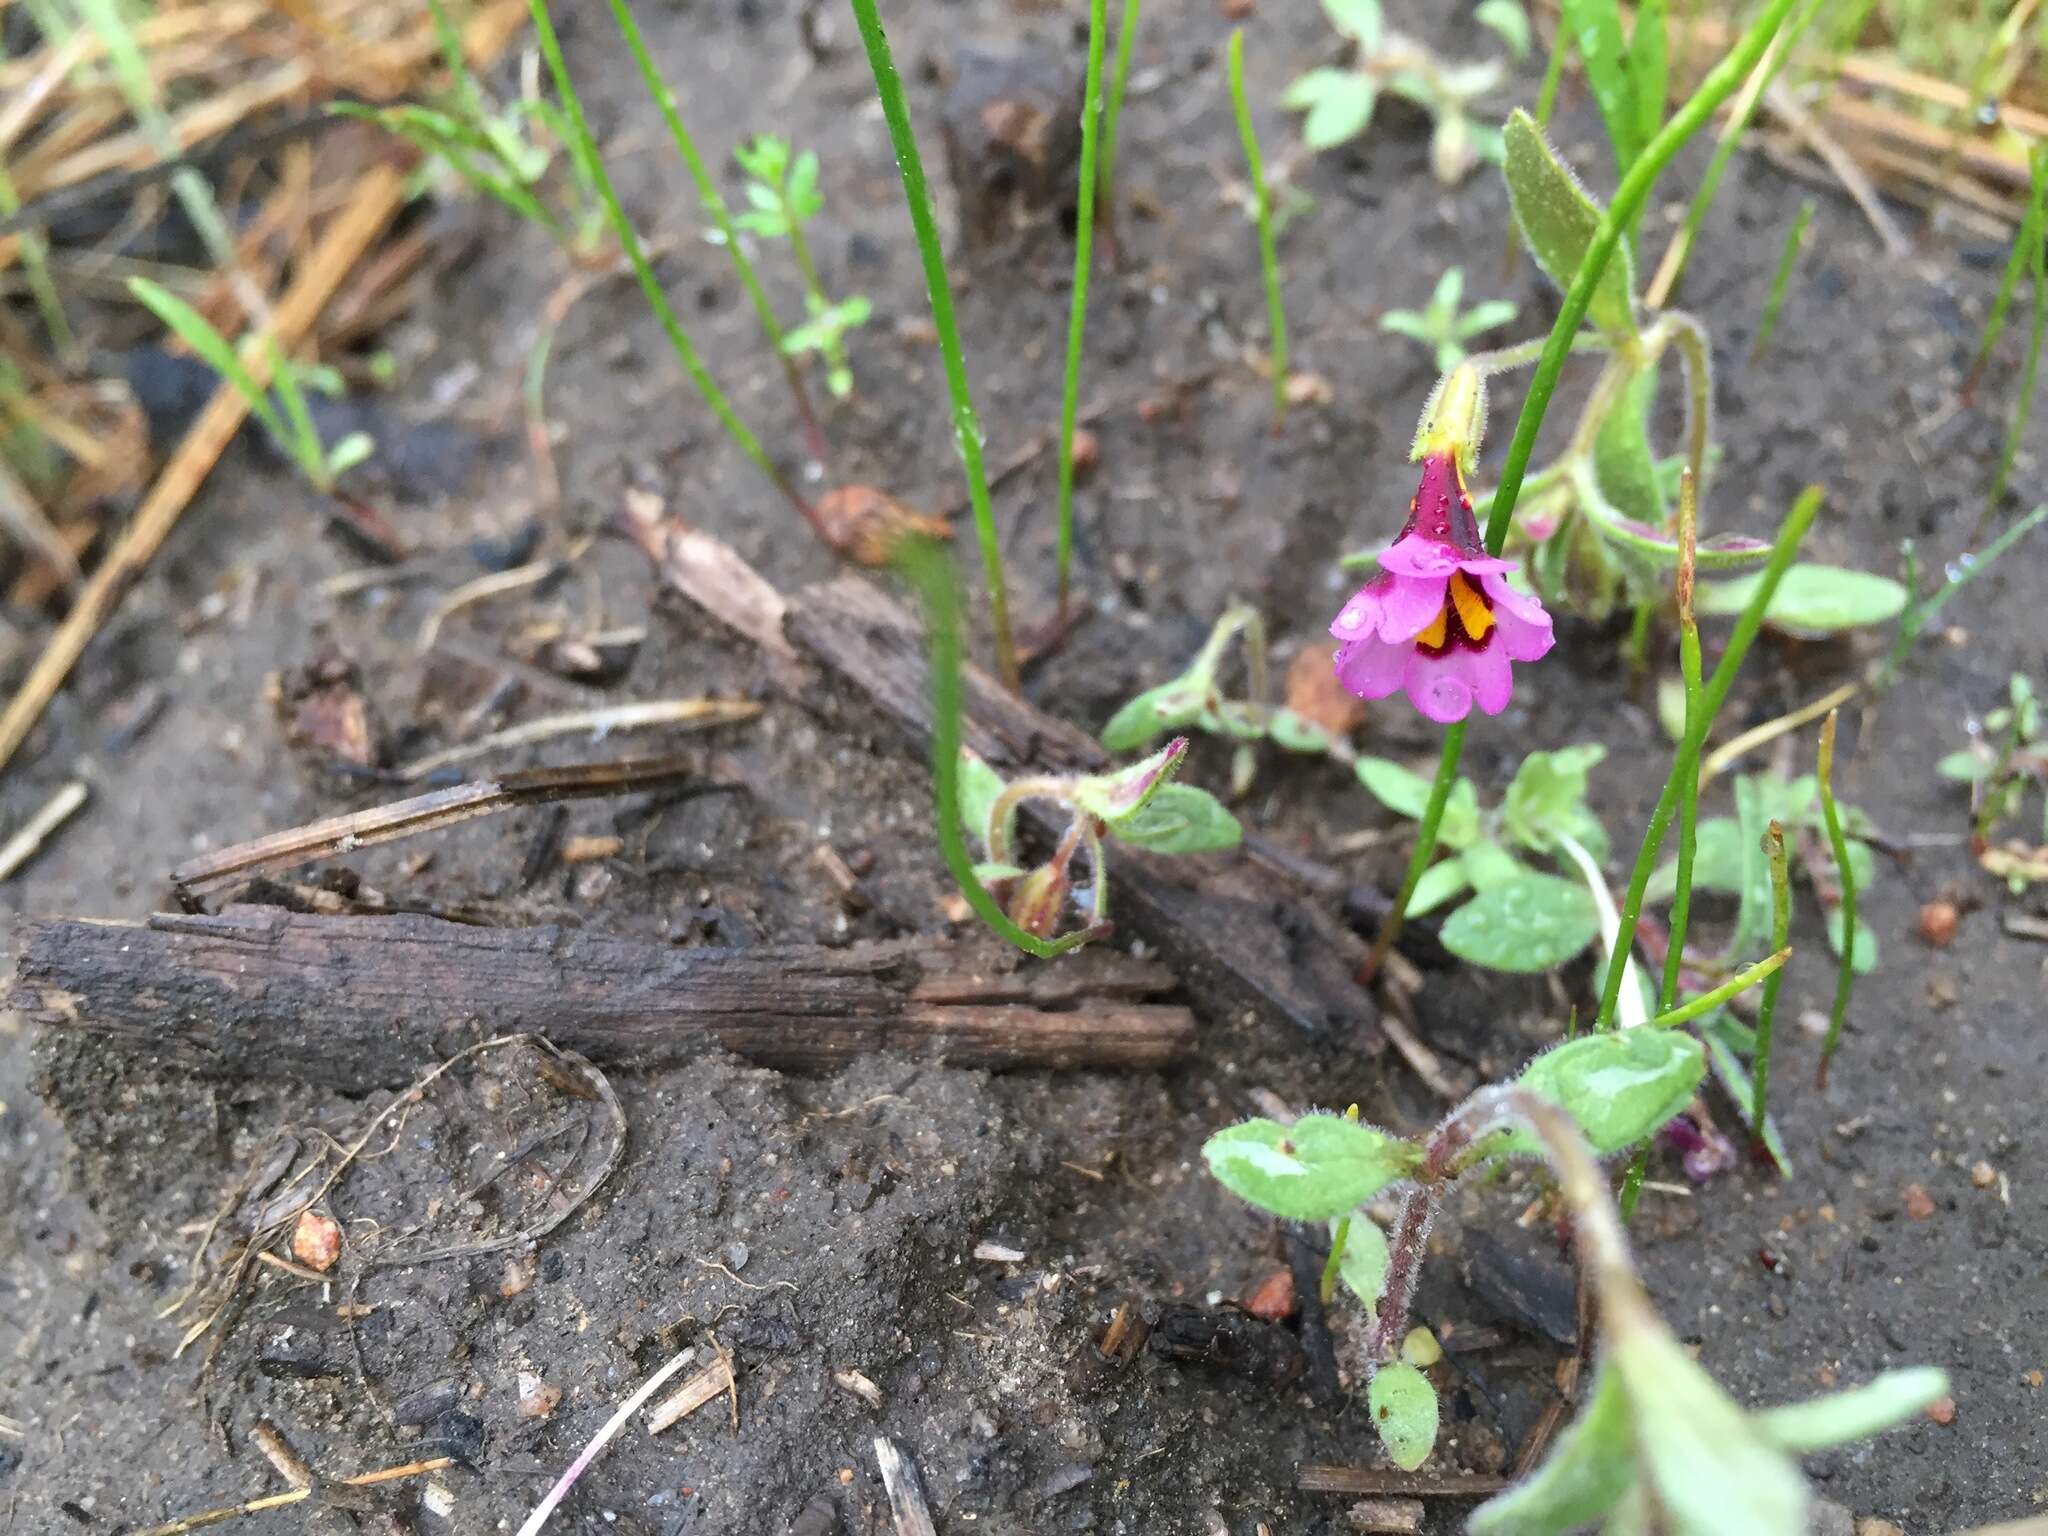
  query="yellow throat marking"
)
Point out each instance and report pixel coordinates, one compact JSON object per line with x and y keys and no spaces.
{"x":1473,"y":614}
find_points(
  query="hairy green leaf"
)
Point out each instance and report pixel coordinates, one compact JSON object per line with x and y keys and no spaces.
{"x":1123,"y":792}
{"x":1620,"y":1086}
{"x":1363,"y":1266}
{"x":1535,"y":923}
{"x":1404,"y":1411}
{"x":1557,"y":217}
{"x":1165,"y":708}
{"x":1179,"y":818}
{"x":1587,"y":1471}
{"x":1439,"y":883}
{"x":980,"y":787}
{"x":1320,"y":1167}
{"x":1812,"y":599}
{"x":1595,"y":25}
{"x":1844,"y":1416}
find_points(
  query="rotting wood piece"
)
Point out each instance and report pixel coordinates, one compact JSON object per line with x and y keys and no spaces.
{"x":356,"y":1003}
{"x":1233,"y":929}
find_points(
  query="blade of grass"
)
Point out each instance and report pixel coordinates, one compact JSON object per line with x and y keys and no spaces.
{"x":966,"y":427}
{"x":721,"y":217}
{"x":1680,"y":249}
{"x":2037,"y":260}
{"x":925,"y":566}
{"x":1699,"y":1007}
{"x":1795,"y":237}
{"x":1633,"y":192}
{"x":197,"y":332}
{"x":1686,"y":762}
{"x":1967,"y":569}
{"x":305,"y":440}
{"x":584,"y":148}
{"x":1077,"y":311}
{"x":1845,"y":980}
{"x":1269,"y":259}
{"x":35,"y":261}
{"x":2023,"y":246}
{"x":1781,"y":932}
{"x":1113,"y":109}
{"x":1689,"y":783}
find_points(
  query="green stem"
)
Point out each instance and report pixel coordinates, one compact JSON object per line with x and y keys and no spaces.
{"x":1077,"y":312}
{"x":1633,"y":192}
{"x":2023,"y":245}
{"x":1269,"y":257}
{"x":2037,"y":258}
{"x":1766,"y":1014}
{"x":1797,"y":521}
{"x":1919,"y":615}
{"x":925,"y":566}
{"x":814,"y":286}
{"x":584,"y":148}
{"x":966,"y":428}
{"x":721,"y":217}
{"x":1113,"y":109}
{"x":1632,"y":1182}
{"x":1845,"y":979}
{"x":1335,"y":1266}
{"x":1698,"y":1007}
{"x":1781,"y":279}
{"x":1690,"y":337}
{"x":1689,"y":782}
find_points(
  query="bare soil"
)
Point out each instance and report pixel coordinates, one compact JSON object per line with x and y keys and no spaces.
{"x":817,"y":1225}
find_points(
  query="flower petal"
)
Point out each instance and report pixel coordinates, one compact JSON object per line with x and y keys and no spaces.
{"x":1370,"y":668}
{"x":1436,"y":685}
{"x":1395,"y":607}
{"x":1416,"y":555}
{"x":1525,"y":628}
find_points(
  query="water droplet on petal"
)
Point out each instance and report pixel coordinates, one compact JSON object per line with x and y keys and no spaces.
{"x":1350,"y":618}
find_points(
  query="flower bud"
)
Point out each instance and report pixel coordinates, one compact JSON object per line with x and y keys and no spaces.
{"x":1454,"y":421}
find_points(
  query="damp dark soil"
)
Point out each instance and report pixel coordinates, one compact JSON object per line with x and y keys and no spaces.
{"x":960,"y":1239}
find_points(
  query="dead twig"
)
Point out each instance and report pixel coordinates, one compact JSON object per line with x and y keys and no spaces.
{"x":698,"y":714}
{"x":296,"y":1496}
{"x":27,"y":842}
{"x":599,"y":1441}
{"x":430,"y":812}
{"x":909,"y":1514}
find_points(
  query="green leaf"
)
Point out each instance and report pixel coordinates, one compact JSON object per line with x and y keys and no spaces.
{"x":1866,"y":941}
{"x":1402,"y":792}
{"x":1358,"y":20}
{"x":1548,"y":795}
{"x":1813,"y":599}
{"x":197,"y":332}
{"x":1404,"y":1411}
{"x":349,"y":452}
{"x":1587,"y":1471}
{"x":1508,"y":19}
{"x":1304,"y":91}
{"x":1844,"y":1416}
{"x":1487,"y":865}
{"x":1623,"y":461}
{"x":1620,"y":1086}
{"x":1439,"y":883}
{"x":801,"y":194}
{"x":1557,"y":218}
{"x":989,"y":874}
{"x":1460,"y":826}
{"x":1649,"y":67}
{"x":1320,"y":1167}
{"x":1595,"y":25}
{"x":1741,"y":1087}
{"x":1165,"y":708}
{"x":1340,"y":112}
{"x":980,"y":787}
{"x":1363,"y":1267}
{"x":1532,"y":924}
{"x":1710,"y":1467}
{"x":1296,"y":733}
{"x":1967,"y":766}
{"x":1179,"y":818}
{"x":1123,"y":791}
{"x":1753,"y":815}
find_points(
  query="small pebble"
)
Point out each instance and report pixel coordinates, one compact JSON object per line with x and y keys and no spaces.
{"x":2034,"y":1379}
{"x":1874,"y":1525}
{"x":736,"y":1256}
{"x":1942,"y":1410}
{"x":1919,"y":1204}
{"x":1983,"y":1175}
{"x":1938,"y":921}
{"x":1273,"y":1297}
{"x":536,"y":1398}
{"x":316,"y":1240}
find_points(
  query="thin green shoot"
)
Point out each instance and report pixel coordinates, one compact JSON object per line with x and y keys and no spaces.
{"x":1112,"y":116}
{"x":925,"y":566}
{"x":782,"y":186}
{"x":1680,"y":249}
{"x":1633,"y":192}
{"x":1699,"y":1007}
{"x":721,"y":218}
{"x":1795,"y":241}
{"x":1334,"y":1267}
{"x":2037,"y":258}
{"x":2023,"y":247}
{"x":284,"y":416}
{"x":1693,"y":732}
{"x":584,"y":149}
{"x":1845,"y":980}
{"x":966,"y":427}
{"x":35,"y":261}
{"x":1797,"y":522}
{"x":1767,"y":1010}
{"x":138,"y":87}
{"x":1077,"y":310}
{"x":1262,"y":202}
{"x":1918,"y":615}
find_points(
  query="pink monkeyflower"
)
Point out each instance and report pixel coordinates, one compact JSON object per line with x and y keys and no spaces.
{"x":1440,"y":620}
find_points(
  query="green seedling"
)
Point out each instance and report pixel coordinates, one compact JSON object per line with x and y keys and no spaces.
{"x":1587,"y":1098}
{"x":1442,"y":327}
{"x":1262,"y":213}
{"x":1781,"y":280}
{"x":501,"y":151}
{"x":2036,"y":248}
{"x":281,"y":409}
{"x":783,"y":196}
{"x":2007,"y":755}
{"x":1339,"y":102}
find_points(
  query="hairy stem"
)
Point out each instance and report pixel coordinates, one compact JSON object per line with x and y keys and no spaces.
{"x":1689,"y":783}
